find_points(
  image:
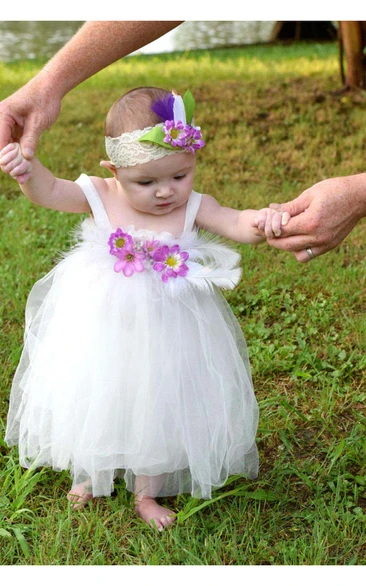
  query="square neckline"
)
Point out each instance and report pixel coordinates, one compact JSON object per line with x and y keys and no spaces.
{"x":102,"y":220}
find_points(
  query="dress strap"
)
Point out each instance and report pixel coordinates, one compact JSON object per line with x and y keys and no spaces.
{"x":193,"y":205}
{"x":100,"y":215}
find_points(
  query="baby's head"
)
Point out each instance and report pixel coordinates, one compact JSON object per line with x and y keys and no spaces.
{"x":148,"y":123}
{"x":132,"y":111}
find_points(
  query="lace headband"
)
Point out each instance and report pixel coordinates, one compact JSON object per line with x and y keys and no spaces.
{"x":176,"y":134}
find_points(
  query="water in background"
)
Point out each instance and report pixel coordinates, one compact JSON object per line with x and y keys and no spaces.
{"x":42,"y":39}
{"x":32,"y":39}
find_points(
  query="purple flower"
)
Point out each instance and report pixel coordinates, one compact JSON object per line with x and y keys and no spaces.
{"x":193,"y":140}
{"x":171,"y":262}
{"x":151,"y":247}
{"x":118,"y":240}
{"x":135,"y":255}
{"x":175,"y":133}
{"x":183,"y":135}
{"x":130,"y":260}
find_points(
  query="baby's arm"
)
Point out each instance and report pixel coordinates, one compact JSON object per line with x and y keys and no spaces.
{"x":247,"y":226}
{"x":40,"y":185}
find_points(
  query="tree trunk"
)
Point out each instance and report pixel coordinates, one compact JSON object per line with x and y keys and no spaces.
{"x":352,"y":41}
{"x":303,"y":30}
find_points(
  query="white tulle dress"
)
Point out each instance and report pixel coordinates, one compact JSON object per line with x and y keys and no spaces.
{"x":134,"y":376}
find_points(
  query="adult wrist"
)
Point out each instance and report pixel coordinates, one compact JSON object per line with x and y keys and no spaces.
{"x":355,"y":187}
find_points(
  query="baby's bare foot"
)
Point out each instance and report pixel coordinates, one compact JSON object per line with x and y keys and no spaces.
{"x":153,"y":514}
{"x":80,"y":494}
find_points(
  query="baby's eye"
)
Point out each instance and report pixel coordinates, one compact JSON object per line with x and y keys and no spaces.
{"x":147,"y":182}
{"x":177,"y":177}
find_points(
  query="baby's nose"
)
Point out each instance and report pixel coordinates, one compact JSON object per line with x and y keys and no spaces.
{"x":164,"y":191}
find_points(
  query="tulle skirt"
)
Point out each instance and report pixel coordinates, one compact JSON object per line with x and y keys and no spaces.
{"x":117,"y":378}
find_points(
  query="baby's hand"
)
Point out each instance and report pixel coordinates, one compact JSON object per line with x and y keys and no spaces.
{"x":14,"y":164}
{"x":269,"y":222}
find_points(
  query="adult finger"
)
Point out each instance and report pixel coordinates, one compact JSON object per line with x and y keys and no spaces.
{"x":276,"y":206}
{"x":304,"y":224}
{"x":31,"y":133}
{"x":291,"y":243}
{"x":298,"y":205}
{"x":310,"y":253}
{"x":7,"y":124}
{"x":298,"y":245}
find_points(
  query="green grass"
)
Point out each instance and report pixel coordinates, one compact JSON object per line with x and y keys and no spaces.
{"x":274,"y":125}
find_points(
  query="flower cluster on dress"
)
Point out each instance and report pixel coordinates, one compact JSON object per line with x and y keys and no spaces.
{"x":137,"y":255}
{"x":178,"y":134}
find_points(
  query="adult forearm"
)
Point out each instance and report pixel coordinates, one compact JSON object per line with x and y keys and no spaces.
{"x":95,"y":46}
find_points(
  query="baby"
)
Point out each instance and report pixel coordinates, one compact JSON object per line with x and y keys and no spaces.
{"x":133,"y":363}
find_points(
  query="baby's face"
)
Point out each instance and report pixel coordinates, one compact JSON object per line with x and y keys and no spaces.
{"x":158,"y":187}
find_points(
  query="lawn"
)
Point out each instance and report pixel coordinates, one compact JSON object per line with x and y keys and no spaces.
{"x":275,"y":124}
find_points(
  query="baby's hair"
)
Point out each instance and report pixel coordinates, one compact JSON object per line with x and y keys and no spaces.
{"x":132,"y":111}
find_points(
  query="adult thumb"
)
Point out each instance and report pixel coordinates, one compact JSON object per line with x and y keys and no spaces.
{"x":297,"y":205}
{"x":29,"y":138}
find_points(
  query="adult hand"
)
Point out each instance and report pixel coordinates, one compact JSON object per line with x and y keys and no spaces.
{"x":26,"y":114}
{"x":322,"y":216}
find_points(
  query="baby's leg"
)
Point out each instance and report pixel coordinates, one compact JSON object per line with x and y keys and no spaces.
{"x":146,"y":506}
{"x":80,"y":494}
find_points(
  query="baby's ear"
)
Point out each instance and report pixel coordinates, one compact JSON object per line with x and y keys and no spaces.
{"x":108,"y":165}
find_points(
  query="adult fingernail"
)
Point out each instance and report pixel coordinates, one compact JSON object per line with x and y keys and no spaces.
{"x":28,"y":152}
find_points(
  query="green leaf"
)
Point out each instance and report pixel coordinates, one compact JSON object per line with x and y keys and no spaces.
{"x":22,"y":542}
{"x":232,"y":479}
{"x":4,"y":502}
{"x":337,"y":453}
{"x":242,"y":491}
{"x":360,"y":480}
{"x":189,"y":105}
{"x":263,"y":495}
{"x":156,"y":135}
{"x":302,"y":374}
{"x":285,"y":440}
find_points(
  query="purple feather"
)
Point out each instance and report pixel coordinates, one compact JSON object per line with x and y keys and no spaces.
{"x":164,"y":107}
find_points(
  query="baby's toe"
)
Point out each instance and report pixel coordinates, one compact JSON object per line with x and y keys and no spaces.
{"x":168,"y":520}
